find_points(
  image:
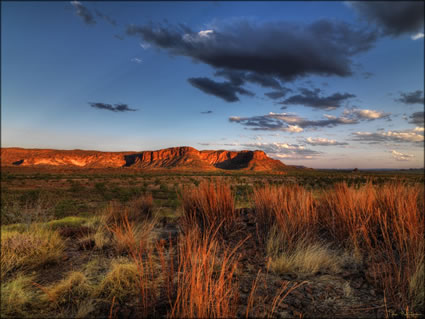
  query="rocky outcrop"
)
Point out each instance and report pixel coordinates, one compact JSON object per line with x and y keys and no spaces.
{"x":171,"y":158}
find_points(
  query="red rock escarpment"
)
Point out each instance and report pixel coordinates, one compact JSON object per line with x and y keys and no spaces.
{"x":175,"y":157}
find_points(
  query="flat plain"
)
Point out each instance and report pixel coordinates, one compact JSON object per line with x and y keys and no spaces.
{"x":130,"y":243}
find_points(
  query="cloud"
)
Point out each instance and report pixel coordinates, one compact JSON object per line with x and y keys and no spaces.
{"x":417,"y":118}
{"x":116,"y":108}
{"x":400,"y":156}
{"x":144,"y":45}
{"x":278,"y":94}
{"x":312,"y":98}
{"x":393,"y":17}
{"x":323,"y":141}
{"x":119,"y":37}
{"x":284,"y":150}
{"x":406,"y":136}
{"x":84,"y":13}
{"x":417,"y":36}
{"x":286,"y":51}
{"x":106,"y":18}
{"x":224,"y":90}
{"x":287,"y":122}
{"x":415,"y":97}
{"x":365,"y":114}
{"x":239,"y":77}
{"x":136,"y":60}
{"x":207,"y":112}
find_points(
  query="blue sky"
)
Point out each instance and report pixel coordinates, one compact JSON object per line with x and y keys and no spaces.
{"x":347,"y":78}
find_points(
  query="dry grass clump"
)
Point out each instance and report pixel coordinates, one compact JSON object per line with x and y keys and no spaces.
{"x":121,"y":281}
{"x":143,"y":273}
{"x":137,"y":210}
{"x":29,"y":249}
{"x":70,"y":297}
{"x":207,"y":206}
{"x":348,"y":213}
{"x":292,"y":208}
{"x":202,"y":289}
{"x":129,"y":236}
{"x":304,"y":257}
{"x":18,"y":296}
{"x":386,"y":224}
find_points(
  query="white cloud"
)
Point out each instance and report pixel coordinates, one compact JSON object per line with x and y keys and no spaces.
{"x":367,"y":114}
{"x":323,"y":141}
{"x":391,"y":136}
{"x":284,"y":150}
{"x":136,"y":60}
{"x":144,"y":45}
{"x":400,"y":156}
{"x":205,"y":33}
{"x":294,"y":129}
{"x":417,"y":36}
{"x":418,"y":129}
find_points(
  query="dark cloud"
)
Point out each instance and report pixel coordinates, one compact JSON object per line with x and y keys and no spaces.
{"x":278,"y":94}
{"x":106,"y":18}
{"x":119,"y":37}
{"x":289,"y":122}
{"x":114,"y":108}
{"x":282,"y":50}
{"x":235,"y":77}
{"x":239,"y":78}
{"x":312,"y":98}
{"x":207,"y":112}
{"x":417,"y":118}
{"x":393,"y":17}
{"x":84,"y":13}
{"x":415,"y":97}
{"x":224,"y":90}
{"x":415,"y":136}
{"x":263,"y":80}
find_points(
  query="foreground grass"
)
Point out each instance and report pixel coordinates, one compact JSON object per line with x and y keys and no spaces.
{"x":377,"y":229}
{"x":29,"y":249}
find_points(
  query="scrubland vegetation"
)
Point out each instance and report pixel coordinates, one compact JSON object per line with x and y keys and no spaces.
{"x":212,"y":246}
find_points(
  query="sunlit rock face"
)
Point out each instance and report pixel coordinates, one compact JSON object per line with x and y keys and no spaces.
{"x":176,"y":157}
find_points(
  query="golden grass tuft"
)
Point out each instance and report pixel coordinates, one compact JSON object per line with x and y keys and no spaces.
{"x":208,"y":206}
{"x":121,"y":281}
{"x":304,"y":257}
{"x":70,"y":293}
{"x":19,"y":296}
{"x":29,"y":249}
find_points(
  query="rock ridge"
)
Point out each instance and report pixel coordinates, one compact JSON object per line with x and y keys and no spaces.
{"x":184,"y":157}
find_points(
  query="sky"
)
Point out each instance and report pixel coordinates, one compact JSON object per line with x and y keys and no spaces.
{"x":319,"y":84}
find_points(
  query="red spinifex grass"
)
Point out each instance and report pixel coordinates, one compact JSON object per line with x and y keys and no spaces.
{"x":386,"y":224}
{"x":143,"y":255}
{"x":293,"y":208}
{"x":348,"y":213}
{"x":205,"y":277}
{"x":207,"y":206}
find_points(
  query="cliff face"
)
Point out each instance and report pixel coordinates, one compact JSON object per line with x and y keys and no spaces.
{"x":175,"y":157}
